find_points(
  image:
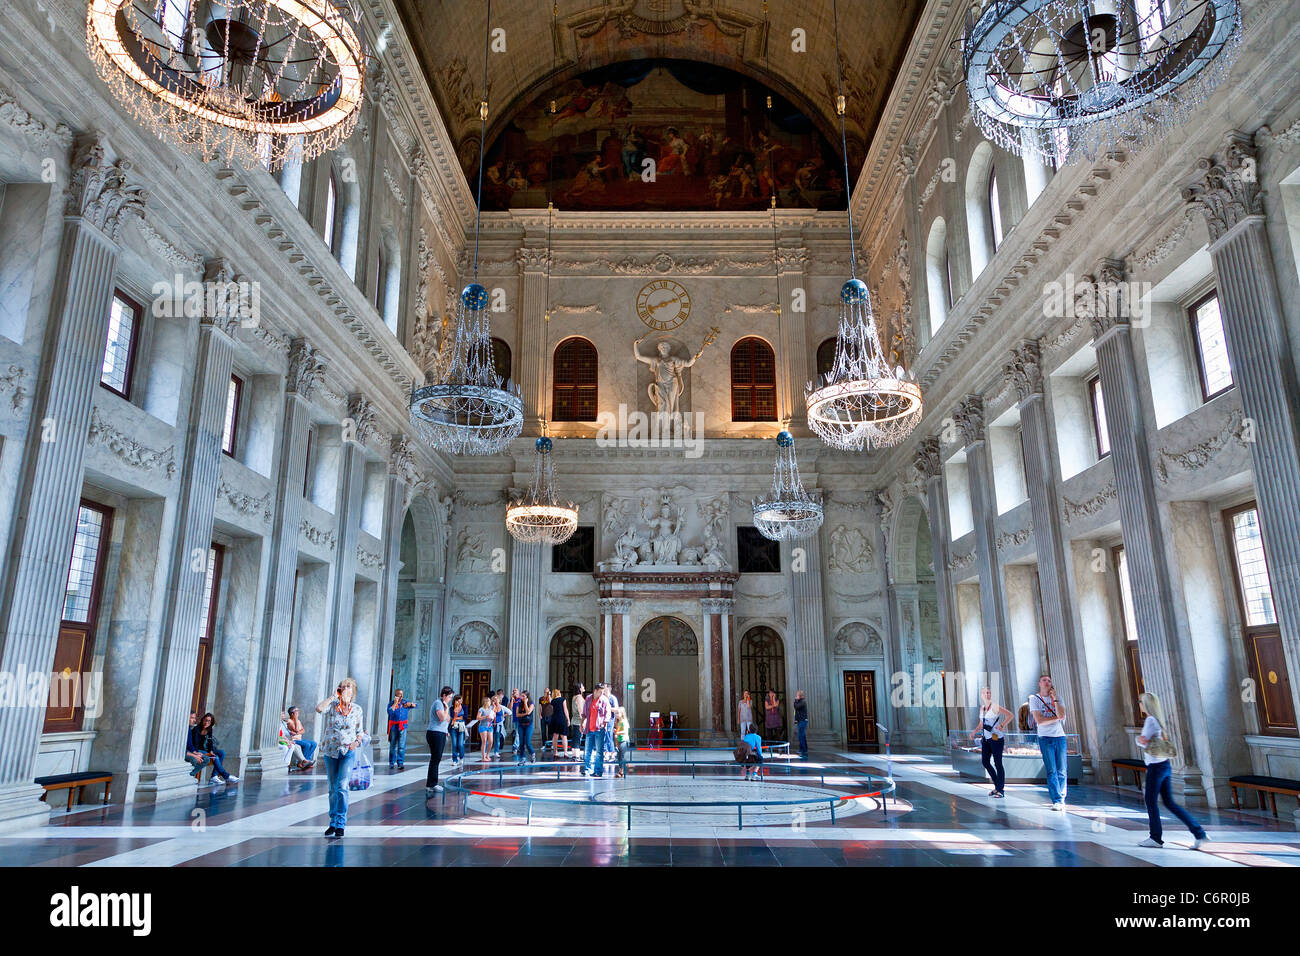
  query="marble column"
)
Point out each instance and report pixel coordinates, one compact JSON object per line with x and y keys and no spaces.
{"x":401,"y":464}
{"x":358,"y":429}
{"x":716,"y":611}
{"x":1164,"y":669}
{"x":983,"y":503}
{"x":929,"y":466}
{"x":525,"y":656}
{"x":1229,"y":197}
{"x":164,"y":768}
{"x":531,"y":354}
{"x":306,"y":368}
{"x":893,"y":639}
{"x":1023,"y":370}
{"x":432,"y":669}
{"x":615,"y":626}
{"x":807,"y":651}
{"x":791,"y":265}
{"x":99,"y":200}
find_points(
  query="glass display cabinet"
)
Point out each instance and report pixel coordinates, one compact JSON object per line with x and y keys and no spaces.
{"x":1020,"y":757}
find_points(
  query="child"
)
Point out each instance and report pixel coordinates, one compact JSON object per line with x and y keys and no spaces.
{"x":622,"y":741}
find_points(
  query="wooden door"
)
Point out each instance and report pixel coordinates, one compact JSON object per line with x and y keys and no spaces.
{"x":1268,"y":666}
{"x":474,"y":686}
{"x":860,"y":709}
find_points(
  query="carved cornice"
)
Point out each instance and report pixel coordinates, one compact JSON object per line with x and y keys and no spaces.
{"x":1024,"y":371}
{"x":128,"y":450}
{"x":98,"y":192}
{"x":969,"y":417}
{"x":306,"y":368}
{"x":1227,"y":191}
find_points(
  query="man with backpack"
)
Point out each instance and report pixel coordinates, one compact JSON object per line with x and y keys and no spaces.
{"x":1047,"y":719}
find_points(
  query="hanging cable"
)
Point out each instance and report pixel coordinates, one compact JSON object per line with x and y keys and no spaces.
{"x":844,"y":142}
{"x":482,"y":133}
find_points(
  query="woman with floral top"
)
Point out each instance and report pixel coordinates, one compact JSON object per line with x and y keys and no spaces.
{"x":339,"y":741}
{"x":487,"y":715}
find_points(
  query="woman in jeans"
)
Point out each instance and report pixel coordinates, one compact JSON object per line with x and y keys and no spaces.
{"x":486,"y":720}
{"x":457,"y":730}
{"x":339,"y":741}
{"x":993,"y":720}
{"x":1159,"y":783}
{"x":203,"y":740}
{"x":524,"y":726}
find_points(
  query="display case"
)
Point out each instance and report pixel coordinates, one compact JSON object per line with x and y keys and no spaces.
{"x":1021,"y":758}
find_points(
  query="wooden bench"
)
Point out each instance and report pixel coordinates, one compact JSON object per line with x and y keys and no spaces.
{"x":76,"y":783}
{"x":1136,"y":766}
{"x":1264,"y":785}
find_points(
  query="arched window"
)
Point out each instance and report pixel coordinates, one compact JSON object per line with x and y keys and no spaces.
{"x":753,"y":381}
{"x":388,"y":280}
{"x":573,"y":394}
{"x":995,"y":211}
{"x":762,"y":669}
{"x":979,"y":221}
{"x":938,"y":274}
{"x":825,"y":358}
{"x":571,"y":660}
{"x":328,"y":230}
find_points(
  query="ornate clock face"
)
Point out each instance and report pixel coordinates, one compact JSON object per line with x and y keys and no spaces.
{"x":663,"y":305}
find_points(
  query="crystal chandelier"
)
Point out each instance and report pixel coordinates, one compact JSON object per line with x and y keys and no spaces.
{"x":538,"y":517}
{"x":241,"y":81}
{"x":470,"y":409}
{"x":789,"y":511}
{"x":860,"y":402}
{"x":1062,"y":78}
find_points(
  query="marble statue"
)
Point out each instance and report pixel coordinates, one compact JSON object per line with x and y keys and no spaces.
{"x":471,"y":555}
{"x":849,"y":550}
{"x":625,"y":549}
{"x":666,"y":369}
{"x":664,"y":541}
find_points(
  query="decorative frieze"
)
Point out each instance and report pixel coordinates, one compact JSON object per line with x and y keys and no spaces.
{"x":1089,"y":506}
{"x":14,"y":380}
{"x":960,"y":561}
{"x":13,"y":115}
{"x":321,"y":537}
{"x":369,"y":559}
{"x":128,"y":450}
{"x":614,"y":605}
{"x":1202,"y":453}
{"x":1015,"y":539}
{"x":169,"y":252}
{"x":246,"y":504}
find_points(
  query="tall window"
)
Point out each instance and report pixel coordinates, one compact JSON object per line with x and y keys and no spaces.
{"x":234,"y":392}
{"x":949,"y":285}
{"x":65,"y":709}
{"x":381,"y":279}
{"x":1098,"y":405}
{"x":825,"y":357}
{"x":1211,"y":346}
{"x":938,"y":278}
{"x":331,"y":207}
{"x":306,"y":464}
{"x":1264,"y":652}
{"x":753,"y":381}
{"x":1131,"y":656}
{"x":995,"y":211}
{"x":119,"y":350}
{"x":207,"y":629}
{"x":573,"y":395}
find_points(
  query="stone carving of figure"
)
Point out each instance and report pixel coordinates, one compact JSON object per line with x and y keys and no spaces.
{"x":625,"y":548}
{"x":472,"y":553}
{"x":713,"y":559}
{"x":666,"y":389}
{"x":664,"y":541}
{"x":849,"y":550}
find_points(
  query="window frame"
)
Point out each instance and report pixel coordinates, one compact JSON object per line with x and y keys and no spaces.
{"x":572,"y":389}
{"x":137,"y":330}
{"x":234,"y":417}
{"x":381,"y":279}
{"x":751,"y":388}
{"x":1132,"y":647}
{"x":1190,"y":312}
{"x":203,"y":665}
{"x":996,"y":232}
{"x":1095,"y":393}
{"x":331,"y":224}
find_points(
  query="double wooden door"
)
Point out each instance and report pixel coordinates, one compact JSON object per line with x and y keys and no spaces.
{"x":860,"y":709}
{"x":474,"y":686}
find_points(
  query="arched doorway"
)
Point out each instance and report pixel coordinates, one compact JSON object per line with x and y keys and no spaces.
{"x":668,"y":654}
{"x":762,"y":669}
{"x":571,"y":660}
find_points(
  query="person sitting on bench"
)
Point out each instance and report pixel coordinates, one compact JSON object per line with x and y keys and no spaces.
{"x":194,"y":758}
{"x":203,"y":740}
{"x":297,"y":733}
{"x":750,"y":755}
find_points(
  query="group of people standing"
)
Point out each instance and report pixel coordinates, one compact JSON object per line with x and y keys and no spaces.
{"x":772,"y":717}
{"x":1045,"y":716}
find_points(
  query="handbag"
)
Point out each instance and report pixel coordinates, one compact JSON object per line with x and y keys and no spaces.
{"x":1162,"y":748}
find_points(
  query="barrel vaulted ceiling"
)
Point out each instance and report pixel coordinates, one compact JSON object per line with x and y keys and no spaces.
{"x":448,"y":36}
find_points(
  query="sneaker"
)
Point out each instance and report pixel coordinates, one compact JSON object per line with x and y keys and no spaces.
{"x":338,"y":831}
{"x":1200,"y":842}
{"x":330,"y":832}
{"x":1154,"y":844}
{"x":998,"y":795}
{"x":1058,"y":806}
{"x":216,"y":781}
{"x":232,"y":779}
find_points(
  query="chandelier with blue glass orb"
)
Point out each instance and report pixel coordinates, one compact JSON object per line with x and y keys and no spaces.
{"x":539,"y":516}
{"x":788,"y":511}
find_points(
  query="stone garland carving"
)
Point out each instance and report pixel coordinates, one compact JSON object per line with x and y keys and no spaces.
{"x":100,"y":193}
{"x":1024,"y":371}
{"x":1228,"y":191}
{"x":476,"y":639}
{"x":1202,"y":453}
{"x":839,"y":500}
{"x":1089,"y":506}
{"x":395,"y":189}
{"x":1163,"y":247}
{"x":471,"y":597}
{"x":860,"y":640}
{"x":850,"y":551}
{"x":422,"y":321}
{"x":491,"y":503}
{"x":959,"y":561}
{"x":369,"y":559}
{"x":856,"y":597}
{"x":1265,"y":137}
{"x":14,"y":116}
{"x":322,"y":538}
{"x":1066,"y":336}
{"x":306,"y":368}
{"x":614,"y":605}
{"x":1014,"y":539}
{"x":172,"y":254}
{"x":246,"y":504}
{"x":663,"y":264}
{"x":128,"y":450}
{"x":14,"y":380}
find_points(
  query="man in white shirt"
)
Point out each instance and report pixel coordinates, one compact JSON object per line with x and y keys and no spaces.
{"x":1049,"y":720}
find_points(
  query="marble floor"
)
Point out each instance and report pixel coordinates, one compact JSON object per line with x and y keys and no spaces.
{"x":933,"y":819}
